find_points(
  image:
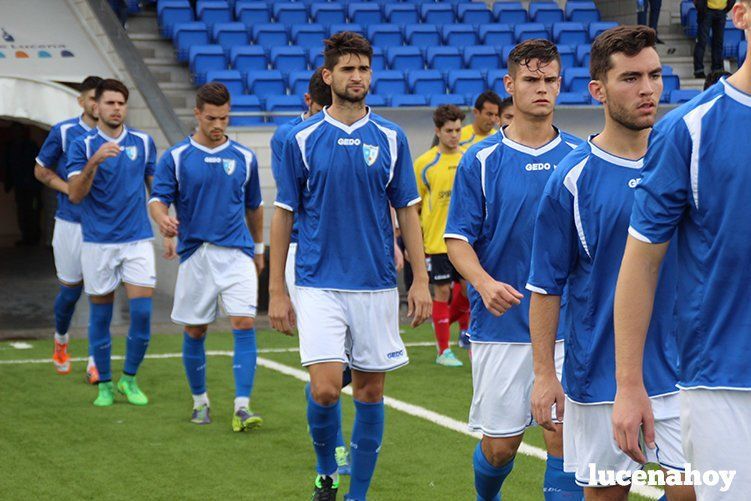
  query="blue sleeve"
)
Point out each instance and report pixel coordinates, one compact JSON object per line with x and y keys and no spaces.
{"x":164,"y":188}
{"x":467,"y":206}
{"x":554,"y":245}
{"x":664,"y":193}
{"x":151,"y":159}
{"x":291,"y":178}
{"x":52,"y":149}
{"x":76,"y":157}
{"x":253,"y":198}
{"x":402,"y":189}
{"x":277,"y":147}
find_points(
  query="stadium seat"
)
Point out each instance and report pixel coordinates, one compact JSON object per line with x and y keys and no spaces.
{"x":437,"y":13}
{"x":582,"y":12}
{"x":691,"y":23}
{"x":401,"y":13}
{"x":505,"y":52}
{"x":172,"y":12}
{"x":204,"y":58}
{"x":742,"y":50}
{"x":328,"y":13}
{"x":573,"y":98}
{"x":511,"y":13}
{"x":385,"y":35}
{"x":288,"y":58}
{"x":426,"y":82}
{"x":669,"y":84}
{"x":288,"y":104}
{"x":379,"y":59}
{"x":244,"y":104}
{"x":186,"y":35}
{"x":568,"y":56}
{"x":495,"y":80}
{"x":678,"y":96}
{"x":289,"y":13}
{"x":598,"y":27}
{"x":685,"y":6}
{"x":439,"y":99}
{"x":405,"y":58}
{"x":336,"y":28}
{"x":212,"y":12}
{"x":569,"y":33}
{"x":481,"y":57}
{"x":582,"y":55}
{"x":232,"y":79}
{"x":299,"y":81}
{"x":252,"y":13}
{"x":474,"y":13}
{"x":229,"y":35}
{"x":248,"y":58}
{"x":402,"y":100}
{"x":733,"y":36}
{"x":315,"y":57}
{"x":308,"y":35}
{"x":467,"y":82}
{"x":497,"y":35}
{"x":270,"y":35}
{"x":529,"y":31}
{"x":265,"y":83}
{"x":459,"y":35}
{"x":444,"y":58}
{"x":422,"y":35}
{"x":389,"y":82}
{"x":376,"y":101}
{"x":365,"y":13}
{"x":546,"y":13}
{"x":576,"y":80}
{"x":667,"y":69}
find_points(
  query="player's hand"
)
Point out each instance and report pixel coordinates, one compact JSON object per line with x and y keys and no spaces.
{"x":281,"y":313}
{"x":168,"y":226}
{"x":398,"y":258}
{"x":546,"y":391}
{"x":260,"y":261}
{"x":105,"y":151}
{"x":419,"y":302}
{"x":170,"y":249}
{"x":498,"y":297}
{"x":632,"y":411}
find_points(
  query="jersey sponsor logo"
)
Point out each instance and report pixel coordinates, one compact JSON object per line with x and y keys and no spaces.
{"x":444,"y":194}
{"x":132,"y":152}
{"x":370,"y":153}
{"x":395,"y":354}
{"x":633,"y":183}
{"x":348,"y":141}
{"x":539,"y":166}
{"x":212,"y":160}
{"x":229,"y":165}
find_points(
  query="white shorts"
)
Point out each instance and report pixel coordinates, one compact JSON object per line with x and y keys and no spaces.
{"x":106,"y":265}
{"x":502,"y":378}
{"x":66,"y":247}
{"x":330,"y":323}
{"x":215,"y":272}
{"x":289,"y":273}
{"x":588,"y":439}
{"x":716,"y":433}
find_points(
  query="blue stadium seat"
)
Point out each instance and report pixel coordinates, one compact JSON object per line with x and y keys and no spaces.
{"x":188,"y":34}
{"x":405,"y":58}
{"x":248,"y":58}
{"x":401,"y":13}
{"x":270,"y":35}
{"x":299,"y":81}
{"x":569,"y":33}
{"x":733,"y":36}
{"x":545,"y":12}
{"x":576,"y":80}
{"x":467,"y":82}
{"x":422,"y":35}
{"x":251,"y":13}
{"x":691,"y":26}
{"x":439,"y":99}
{"x":667,"y":69}
{"x":742,"y":50}
{"x":385,"y":35}
{"x":376,"y":101}
{"x":481,"y":57}
{"x":229,"y":35}
{"x":437,"y":13}
{"x":444,"y":58}
{"x":505,"y":53}
{"x":678,"y":96}
{"x":308,"y":35}
{"x":265,"y":83}
{"x":498,"y":35}
{"x":474,"y":13}
{"x":328,"y":13}
{"x":568,"y":56}
{"x":231,"y":79}
{"x":244,"y":104}
{"x":579,"y":98}
{"x":597,"y":28}
{"x":172,"y":12}
{"x":459,"y":35}
{"x":669,"y":84}
{"x":403,"y":100}
{"x":284,"y":103}
{"x":379,"y":59}
{"x":212,"y":12}
{"x":511,"y":13}
{"x":495,"y":80}
{"x":529,"y":31}
{"x":426,"y":82}
{"x":204,"y":58}
{"x":582,"y":12}
{"x":288,"y":13}
{"x":685,"y":7}
{"x":365,"y":13}
{"x":582,"y":55}
{"x":336,"y":28}
{"x":288,"y":58}
{"x":315,"y":57}
{"x":389,"y":82}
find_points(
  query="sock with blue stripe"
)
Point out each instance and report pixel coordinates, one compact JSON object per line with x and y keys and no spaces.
{"x":100,"y":317}
{"x":65,"y":306}
{"x":323,"y":422}
{"x":194,"y":361}
{"x":367,"y":435}
{"x":244,"y":361}
{"x":139,"y":334}
{"x":559,"y":485}
{"x":488,"y":478}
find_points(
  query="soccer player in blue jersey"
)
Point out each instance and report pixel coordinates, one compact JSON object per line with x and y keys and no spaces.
{"x":697,"y":181}
{"x":107,"y":170}
{"x":66,"y":238}
{"x":340,"y":171}
{"x":489,"y":237}
{"x":213,"y":183}
{"x":580,"y":232}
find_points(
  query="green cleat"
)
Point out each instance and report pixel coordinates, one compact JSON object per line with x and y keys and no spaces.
{"x":325,"y":488}
{"x":448,"y":359}
{"x":201,"y":415}
{"x":245,"y":420}
{"x":106,"y":395}
{"x":342,"y":460}
{"x":128,"y":387}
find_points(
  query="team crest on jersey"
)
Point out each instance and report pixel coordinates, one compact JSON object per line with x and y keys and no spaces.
{"x":132,"y":152}
{"x":229,"y":166}
{"x":370,"y":153}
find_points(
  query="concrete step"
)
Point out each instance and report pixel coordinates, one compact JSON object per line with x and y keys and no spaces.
{"x":177,"y":86}
{"x":166,"y":70}
{"x":142,"y":23}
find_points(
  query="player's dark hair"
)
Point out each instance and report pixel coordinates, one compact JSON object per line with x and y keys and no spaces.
{"x":487,"y":97}
{"x":714,"y":77}
{"x":447,"y":113}
{"x":89,"y":83}
{"x":342,"y":44}
{"x":506,"y":102}
{"x":215,"y":93}
{"x":543,"y":50}
{"x":110,"y":84}
{"x":320,"y":93}
{"x":629,"y":40}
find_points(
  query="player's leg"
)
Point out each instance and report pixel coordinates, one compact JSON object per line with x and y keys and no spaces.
{"x":440,"y":273}
{"x":459,"y":309}
{"x":367,"y":432}
{"x":194,"y":361}
{"x":244,"y":370}
{"x":493,"y":460}
{"x":669,"y":446}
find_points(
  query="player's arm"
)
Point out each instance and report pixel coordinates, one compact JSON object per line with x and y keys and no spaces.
{"x":49,"y":155}
{"x":163,"y":194}
{"x":544,"y":312}
{"x":398,"y":255}
{"x":419,"y":301}
{"x":150,"y":167}
{"x":81,"y":171}
{"x":254,"y":220}
{"x":50,"y":179}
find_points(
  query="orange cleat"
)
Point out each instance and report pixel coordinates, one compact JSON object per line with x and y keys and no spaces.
{"x":92,"y":374}
{"x":61,"y":358}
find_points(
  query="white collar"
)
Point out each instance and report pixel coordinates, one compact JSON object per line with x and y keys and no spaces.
{"x":83,"y":124}
{"x":349,"y":129}
{"x":209,"y":150}
{"x":735,"y":94}
{"x":531,"y":151}
{"x":613,"y":159}
{"x":113,"y":139}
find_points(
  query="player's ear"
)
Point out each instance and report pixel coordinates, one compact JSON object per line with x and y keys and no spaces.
{"x":597,"y":91}
{"x":508,"y":84}
{"x":327,"y":76}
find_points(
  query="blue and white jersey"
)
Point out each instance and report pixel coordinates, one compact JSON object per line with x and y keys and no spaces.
{"x":53,"y":156}
{"x":277,"y":147}
{"x":496,"y":191}
{"x":339,"y":180}
{"x":114,"y":211}
{"x":580,"y":235}
{"x":697,"y":179}
{"x":211,"y":189}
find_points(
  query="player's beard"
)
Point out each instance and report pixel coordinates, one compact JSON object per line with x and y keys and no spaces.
{"x":111,"y":124}
{"x":628,"y":120}
{"x":348,"y":97}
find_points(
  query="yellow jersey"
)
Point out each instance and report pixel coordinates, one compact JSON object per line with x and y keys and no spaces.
{"x":470,"y":137}
{"x":435,"y":179}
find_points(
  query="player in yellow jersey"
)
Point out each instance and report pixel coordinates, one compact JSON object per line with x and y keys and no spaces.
{"x":435,"y":170}
{"x":486,"y":120}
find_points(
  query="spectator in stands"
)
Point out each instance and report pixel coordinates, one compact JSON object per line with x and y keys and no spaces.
{"x":20,"y":155}
{"x":710,"y":15}
{"x":654,"y":7}
{"x":714,"y":77}
{"x":507,"y":111}
{"x":486,"y":119}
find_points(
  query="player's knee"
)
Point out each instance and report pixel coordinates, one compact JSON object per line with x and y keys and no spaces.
{"x":499,"y":451}
{"x":370,"y":393}
{"x":196,"y":331}
{"x":325,"y":394}
{"x":242,"y":323}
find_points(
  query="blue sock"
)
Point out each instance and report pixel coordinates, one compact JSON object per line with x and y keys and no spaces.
{"x":663,"y":498}
{"x":339,"y":436}
{"x":367,"y":435}
{"x":488,"y":478}
{"x":138,"y":334}
{"x":194,"y":361}
{"x":65,"y":305}
{"x":559,"y":485}
{"x":244,"y":361}
{"x":323,"y":421}
{"x":100,"y":317}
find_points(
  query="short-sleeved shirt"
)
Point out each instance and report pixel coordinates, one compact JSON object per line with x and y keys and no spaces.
{"x":496,"y":191}
{"x":697,"y":180}
{"x":580,"y":235}
{"x":211,"y":189}
{"x":339,"y":180}
{"x":277,"y":145}
{"x":435,"y":173}
{"x":53,"y":156}
{"x":470,"y":137}
{"x":114,"y":211}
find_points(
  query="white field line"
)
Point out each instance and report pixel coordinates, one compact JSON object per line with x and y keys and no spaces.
{"x":405,"y":407}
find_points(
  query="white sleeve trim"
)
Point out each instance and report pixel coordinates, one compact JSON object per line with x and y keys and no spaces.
{"x":638,"y":236}
{"x":74,"y":173}
{"x":456,"y":236}
{"x":414,"y":202}
{"x":40,"y":162}
{"x":538,"y":290}
{"x":157,"y":199}
{"x":284,"y":206}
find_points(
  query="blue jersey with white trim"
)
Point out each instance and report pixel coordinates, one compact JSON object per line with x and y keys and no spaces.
{"x":53,"y":156}
{"x":697,"y":180}
{"x":114,"y":211}
{"x":496,"y":191}
{"x":339,"y":180}
{"x":277,"y":147}
{"x":580,"y":235}
{"x":210,"y":188}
